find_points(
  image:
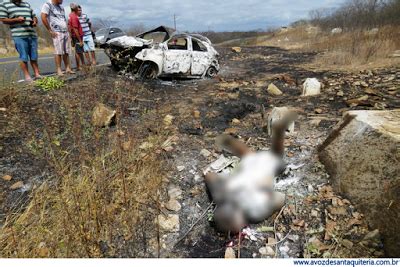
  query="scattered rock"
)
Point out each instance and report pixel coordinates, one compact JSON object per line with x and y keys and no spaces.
{"x":230,"y":253}
{"x":231,"y":131}
{"x":314,"y":213}
{"x":103,"y":116}
{"x":236,"y":49}
{"x":180,"y":168}
{"x":337,"y":31}
{"x":374,"y":235}
{"x":196,"y":114}
{"x":318,"y":110}
{"x":271,"y":241}
{"x":146,"y":146}
{"x":340,"y":93}
{"x":173,"y":205}
{"x":169,"y":223}
{"x":205,"y":153}
{"x":311,"y":87}
{"x":3,"y":109}
{"x":168,"y":120}
{"x":17,"y":185}
{"x":347,"y":243}
{"x":267,"y":251}
{"x":174,"y":192}
{"x":235,"y":121}
{"x":273,"y":90}
{"x":337,"y":211}
{"x":7,"y":177}
{"x":361,"y":101}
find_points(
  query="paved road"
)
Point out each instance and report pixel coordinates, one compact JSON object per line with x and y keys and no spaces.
{"x":9,"y":67}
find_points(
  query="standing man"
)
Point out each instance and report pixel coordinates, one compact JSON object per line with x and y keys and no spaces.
{"x":22,"y":20}
{"x":88,"y":42}
{"x":76,"y":31}
{"x":53,"y":17}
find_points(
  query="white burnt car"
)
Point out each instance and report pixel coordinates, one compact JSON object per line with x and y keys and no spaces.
{"x":164,"y":53}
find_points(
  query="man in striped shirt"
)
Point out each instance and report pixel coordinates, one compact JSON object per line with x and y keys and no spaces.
{"x":88,"y":42}
{"x":22,"y":20}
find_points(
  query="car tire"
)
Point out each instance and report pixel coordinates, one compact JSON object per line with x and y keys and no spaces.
{"x":212,"y":72}
{"x":148,"y":71}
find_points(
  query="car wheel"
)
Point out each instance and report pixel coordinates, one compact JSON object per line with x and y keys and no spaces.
{"x":148,"y":71}
{"x":212,"y":72}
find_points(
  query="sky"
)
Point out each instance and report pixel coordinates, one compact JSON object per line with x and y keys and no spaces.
{"x":201,"y":15}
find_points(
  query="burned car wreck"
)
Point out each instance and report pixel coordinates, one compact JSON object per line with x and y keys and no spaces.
{"x":162,"y":52}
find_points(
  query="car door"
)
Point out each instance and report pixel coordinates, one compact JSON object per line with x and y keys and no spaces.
{"x":200,"y":57}
{"x":178,"y":56}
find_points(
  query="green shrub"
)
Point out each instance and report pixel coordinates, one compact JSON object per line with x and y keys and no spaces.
{"x":49,"y":83}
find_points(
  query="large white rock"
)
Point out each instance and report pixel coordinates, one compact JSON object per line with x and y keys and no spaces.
{"x":337,"y":30}
{"x":362,"y":156}
{"x":311,"y":87}
{"x":277,"y":114}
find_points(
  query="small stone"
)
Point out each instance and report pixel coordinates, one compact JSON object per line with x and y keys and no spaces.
{"x":340,"y":93}
{"x":3,"y":109}
{"x":274,"y":90}
{"x":205,"y":153}
{"x":267,"y":251}
{"x":347,"y":243}
{"x":17,"y":185}
{"x":236,"y":49}
{"x":173,"y":205}
{"x":318,"y":110}
{"x":174,"y":192}
{"x":235,"y":121}
{"x":271,"y":241}
{"x":231,"y":131}
{"x":7,"y":177}
{"x":196,"y":114}
{"x":180,"y":168}
{"x":372,"y":235}
{"x":314,"y":213}
{"x":230,"y":253}
{"x":168,"y":120}
{"x":169,"y":223}
{"x":310,"y":188}
{"x":284,"y":249}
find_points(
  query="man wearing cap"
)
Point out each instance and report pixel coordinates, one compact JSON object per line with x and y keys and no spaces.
{"x":22,"y":20}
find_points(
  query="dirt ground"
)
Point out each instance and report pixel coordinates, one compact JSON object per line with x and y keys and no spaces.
{"x":315,"y":222}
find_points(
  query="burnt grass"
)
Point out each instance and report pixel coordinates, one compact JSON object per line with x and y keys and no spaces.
{"x":34,"y":118}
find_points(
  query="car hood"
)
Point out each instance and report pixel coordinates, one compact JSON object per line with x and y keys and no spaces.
{"x":129,"y":41}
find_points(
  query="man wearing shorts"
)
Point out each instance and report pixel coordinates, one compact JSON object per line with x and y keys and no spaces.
{"x":53,"y":17}
{"x":76,"y":32}
{"x":88,"y":42}
{"x":22,"y":20}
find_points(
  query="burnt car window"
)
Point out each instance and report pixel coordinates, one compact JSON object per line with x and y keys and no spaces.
{"x":177,"y":44}
{"x":198,"y":46}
